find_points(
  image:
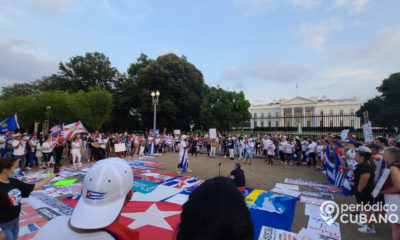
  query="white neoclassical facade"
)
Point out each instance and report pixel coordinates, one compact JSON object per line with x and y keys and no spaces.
{"x":309,"y":112}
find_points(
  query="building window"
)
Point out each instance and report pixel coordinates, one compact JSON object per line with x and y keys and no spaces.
{"x":352,"y":111}
{"x":276,"y":114}
{"x":262,"y":115}
{"x":269,"y":123}
{"x":341,"y":112}
{"x":255,"y":115}
{"x":341,"y":122}
{"x":331,"y":112}
{"x":352,"y":122}
{"x":276,"y":124}
{"x":322,"y":113}
{"x":262,"y":124}
{"x":308,"y":123}
{"x":269,"y":115}
{"x":331,"y":123}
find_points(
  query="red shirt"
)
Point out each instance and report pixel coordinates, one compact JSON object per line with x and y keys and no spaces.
{"x":388,"y":184}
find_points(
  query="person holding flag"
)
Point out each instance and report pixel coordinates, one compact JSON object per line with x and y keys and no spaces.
{"x":183,"y":156}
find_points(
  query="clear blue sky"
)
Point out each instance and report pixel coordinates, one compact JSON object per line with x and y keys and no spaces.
{"x":338,"y":48}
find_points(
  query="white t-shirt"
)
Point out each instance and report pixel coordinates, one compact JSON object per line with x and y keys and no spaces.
{"x":33,"y":143}
{"x":46,"y":145}
{"x":76,"y":146}
{"x":271,"y":150}
{"x":266,"y":143}
{"x":20,"y":150}
{"x":289,"y":148}
{"x":2,"y":139}
{"x":102,"y":142}
{"x":282,"y":145}
{"x":311,"y":147}
{"x":182,"y":146}
{"x":304,"y":145}
{"x":250,"y":145}
{"x":58,"y":228}
{"x":320,"y":148}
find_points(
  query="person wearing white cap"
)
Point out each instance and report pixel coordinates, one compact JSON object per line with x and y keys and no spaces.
{"x":107,"y":188}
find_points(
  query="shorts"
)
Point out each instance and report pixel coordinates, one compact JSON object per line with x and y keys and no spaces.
{"x":364,"y":198}
{"x":393,"y":200}
{"x":249,"y":153}
{"x":46,"y":157}
{"x":270,"y":156}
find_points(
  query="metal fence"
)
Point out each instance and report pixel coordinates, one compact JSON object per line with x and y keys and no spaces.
{"x":310,"y":125}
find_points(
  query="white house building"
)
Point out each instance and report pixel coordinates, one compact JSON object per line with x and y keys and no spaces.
{"x":309,"y":112}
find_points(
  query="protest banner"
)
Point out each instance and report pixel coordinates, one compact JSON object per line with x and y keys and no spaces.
{"x":344,"y":134}
{"x":380,"y":183}
{"x":367,"y":129}
{"x":213,"y":133}
{"x":268,"y":233}
{"x":177,"y":131}
{"x":323,"y":228}
{"x":120,"y":147}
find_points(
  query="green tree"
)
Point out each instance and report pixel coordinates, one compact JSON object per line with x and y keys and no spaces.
{"x":93,"y":108}
{"x":58,"y":101}
{"x":181,"y":86}
{"x":19,"y":89}
{"x":27,"y":109}
{"x":223,"y":109}
{"x":384,"y":110}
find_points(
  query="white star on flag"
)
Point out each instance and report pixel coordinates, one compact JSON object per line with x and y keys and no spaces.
{"x":152,"y":216}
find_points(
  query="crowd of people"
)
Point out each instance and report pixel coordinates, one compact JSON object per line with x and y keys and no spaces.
{"x":366,"y":162}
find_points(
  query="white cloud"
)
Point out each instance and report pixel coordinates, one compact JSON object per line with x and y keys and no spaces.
{"x":20,"y":64}
{"x":254,"y":7}
{"x":264,"y":72}
{"x":316,"y":34}
{"x":353,"y":5}
{"x":128,"y":10}
{"x":51,"y":8}
{"x":305,"y":3}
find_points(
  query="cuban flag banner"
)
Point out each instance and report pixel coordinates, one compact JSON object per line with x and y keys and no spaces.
{"x":183,"y":161}
{"x":71,"y":129}
{"x":346,"y":190}
{"x":340,"y":173}
{"x":9,"y":124}
{"x":329,"y":167}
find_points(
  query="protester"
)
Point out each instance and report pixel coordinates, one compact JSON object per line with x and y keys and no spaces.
{"x":364,"y":184}
{"x":19,"y":151}
{"x":271,"y":153}
{"x":391,"y":188}
{"x":39,"y":153}
{"x":215,"y":210}
{"x":249,"y":151}
{"x":107,"y":188}
{"x":11,"y":192}
{"x":47,"y":149}
{"x":76,"y":152}
{"x":214,"y":144}
{"x":238,"y":176}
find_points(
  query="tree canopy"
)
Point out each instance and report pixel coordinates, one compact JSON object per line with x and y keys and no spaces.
{"x":90,"y":89}
{"x":384,"y":110}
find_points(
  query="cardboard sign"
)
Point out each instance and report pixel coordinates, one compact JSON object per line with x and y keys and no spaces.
{"x":367,"y":129}
{"x":120,"y":147}
{"x":380,"y":182}
{"x":177,"y":131}
{"x":213,"y":133}
{"x":268,"y":233}
{"x":344,"y":134}
{"x":321,"y":227}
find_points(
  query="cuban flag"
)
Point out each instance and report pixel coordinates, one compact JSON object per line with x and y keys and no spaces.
{"x":329,"y":167}
{"x":152,"y":149}
{"x":9,"y":124}
{"x":340,"y":173}
{"x":346,"y":190}
{"x":92,"y":195}
{"x":183,"y":161}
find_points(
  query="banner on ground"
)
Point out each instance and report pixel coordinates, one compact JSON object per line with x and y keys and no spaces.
{"x":9,"y":124}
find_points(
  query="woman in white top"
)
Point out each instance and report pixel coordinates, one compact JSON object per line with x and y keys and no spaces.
{"x":39,"y":153}
{"x":47,"y":149}
{"x":76,"y":151}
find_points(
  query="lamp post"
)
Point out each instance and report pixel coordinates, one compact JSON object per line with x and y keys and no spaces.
{"x":48,"y":119}
{"x":154,"y":96}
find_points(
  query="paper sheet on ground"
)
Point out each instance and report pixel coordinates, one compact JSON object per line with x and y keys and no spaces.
{"x":160,"y":193}
{"x":65,"y":182}
{"x":268,"y":233}
{"x":178,"y":199}
{"x":314,"y":211}
{"x":287,"y":186}
{"x":321,"y":227}
{"x":310,"y":200}
{"x":286,"y":192}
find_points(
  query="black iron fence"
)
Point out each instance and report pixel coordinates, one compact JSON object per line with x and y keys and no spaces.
{"x":310,"y":125}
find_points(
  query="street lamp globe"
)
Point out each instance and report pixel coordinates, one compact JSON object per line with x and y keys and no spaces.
{"x":153,"y":94}
{"x":157,"y":93}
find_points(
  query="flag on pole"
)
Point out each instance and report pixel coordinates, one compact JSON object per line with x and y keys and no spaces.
{"x":340,"y":174}
{"x":71,"y":129}
{"x":163,"y":135}
{"x":9,"y":124}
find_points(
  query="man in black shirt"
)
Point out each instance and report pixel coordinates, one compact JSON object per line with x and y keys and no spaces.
{"x":238,"y":176}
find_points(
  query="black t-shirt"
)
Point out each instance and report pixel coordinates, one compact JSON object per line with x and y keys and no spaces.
{"x":238,"y":176}
{"x":10,"y":198}
{"x":360,"y":170}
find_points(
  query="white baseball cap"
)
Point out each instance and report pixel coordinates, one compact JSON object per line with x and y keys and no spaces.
{"x":103,"y":195}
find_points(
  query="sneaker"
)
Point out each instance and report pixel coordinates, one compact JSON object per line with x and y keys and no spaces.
{"x":28,"y":168}
{"x":360,"y":224}
{"x":367,"y":229}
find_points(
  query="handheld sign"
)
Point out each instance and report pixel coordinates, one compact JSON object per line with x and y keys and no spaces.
{"x":344,"y":134}
{"x":380,"y":182}
{"x":213,"y":133}
{"x":367,"y":129}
